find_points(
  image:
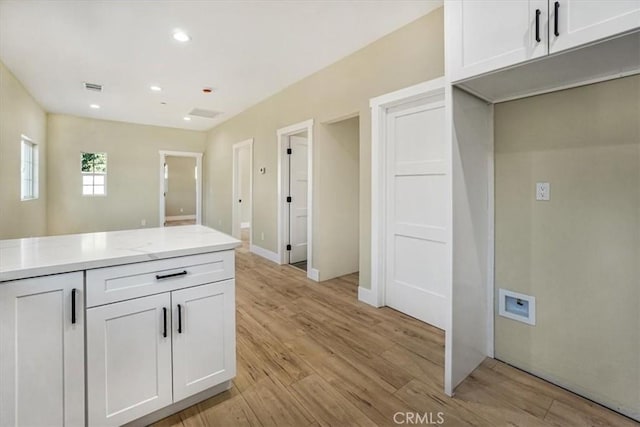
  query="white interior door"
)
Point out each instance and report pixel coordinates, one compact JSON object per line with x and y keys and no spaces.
{"x":128,"y":359}
{"x":203,"y":337}
{"x":417,"y":182}
{"x":298,"y":181}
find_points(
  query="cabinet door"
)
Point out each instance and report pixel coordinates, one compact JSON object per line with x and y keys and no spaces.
{"x":42,"y":352}
{"x":585,"y":21}
{"x":204,"y":346}
{"x":128,"y":359}
{"x":483,"y":36}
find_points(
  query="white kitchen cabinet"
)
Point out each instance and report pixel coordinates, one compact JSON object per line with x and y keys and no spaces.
{"x":128,"y":359}
{"x":484,"y":36}
{"x":203,"y":337}
{"x":489,"y":35}
{"x":578,"y":22}
{"x":42,"y":351}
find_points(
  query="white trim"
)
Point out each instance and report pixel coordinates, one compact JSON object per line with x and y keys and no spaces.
{"x":282,"y":135}
{"x":236,"y":224}
{"x":379,"y":107}
{"x":367,"y":296}
{"x":313,"y":274}
{"x":161,"y":201}
{"x":179,"y":217}
{"x":264,"y":253}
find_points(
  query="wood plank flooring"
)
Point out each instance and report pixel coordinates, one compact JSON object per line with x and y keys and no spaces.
{"x":310,"y":354}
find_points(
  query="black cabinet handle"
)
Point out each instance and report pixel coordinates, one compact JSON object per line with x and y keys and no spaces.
{"x":164,"y":313}
{"x":556,"y":29}
{"x":538,"y":12}
{"x":73,"y":306}
{"x":179,"y":319}
{"x":166,"y":276}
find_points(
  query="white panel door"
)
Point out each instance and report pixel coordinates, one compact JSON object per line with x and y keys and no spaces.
{"x":128,"y":359}
{"x":585,"y":21}
{"x":485,"y":35}
{"x":417,"y":257}
{"x":42,"y":352}
{"x":204,"y":349}
{"x":298,"y":181}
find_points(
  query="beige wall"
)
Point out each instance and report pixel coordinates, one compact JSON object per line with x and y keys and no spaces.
{"x":579,"y":253}
{"x":20,"y":115}
{"x":181,"y":194}
{"x":410,"y":55}
{"x":133,"y":172}
{"x":338,"y":198}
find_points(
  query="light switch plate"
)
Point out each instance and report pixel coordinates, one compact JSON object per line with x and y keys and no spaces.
{"x":543,"y":190}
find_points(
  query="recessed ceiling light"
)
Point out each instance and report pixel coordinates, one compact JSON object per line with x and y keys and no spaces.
{"x":156,"y":88}
{"x":187,"y":118}
{"x":94,"y":106}
{"x":181,"y":36}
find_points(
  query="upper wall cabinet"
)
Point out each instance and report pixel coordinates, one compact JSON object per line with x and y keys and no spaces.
{"x":483,"y":36}
{"x":488,"y":35}
{"x":576,"y":22}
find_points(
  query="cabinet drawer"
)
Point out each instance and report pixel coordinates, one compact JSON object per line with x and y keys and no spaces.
{"x":122,"y":282}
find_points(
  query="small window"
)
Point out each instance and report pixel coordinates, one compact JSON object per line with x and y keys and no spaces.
{"x":29,"y":169}
{"x":94,"y":174}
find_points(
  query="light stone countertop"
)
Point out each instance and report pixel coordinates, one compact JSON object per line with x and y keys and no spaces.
{"x":39,"y":256}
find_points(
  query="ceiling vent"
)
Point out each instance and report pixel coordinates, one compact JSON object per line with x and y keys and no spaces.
{"x":199,"y":112}
{"x":93,"y":86}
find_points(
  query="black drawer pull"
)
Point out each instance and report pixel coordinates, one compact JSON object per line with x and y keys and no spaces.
{"x":73,"y":306}
{"x":538,"y":12}
{"x":166,"y":276}
{"x":556,"y":29}
{"x":164,"y":314}
{"x":179,"y":319}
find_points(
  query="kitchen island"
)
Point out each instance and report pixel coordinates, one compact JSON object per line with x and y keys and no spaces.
{"x":138,"y":324}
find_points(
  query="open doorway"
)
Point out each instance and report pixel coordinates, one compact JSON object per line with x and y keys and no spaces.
{"x":242,"y":191}
{"x":180,"y":188}
{"x":295,"y":145}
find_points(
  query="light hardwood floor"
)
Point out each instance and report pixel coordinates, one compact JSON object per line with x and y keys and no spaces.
{"x":310,"y":354}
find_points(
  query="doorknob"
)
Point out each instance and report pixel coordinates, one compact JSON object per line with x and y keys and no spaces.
{"x":240,"y":201}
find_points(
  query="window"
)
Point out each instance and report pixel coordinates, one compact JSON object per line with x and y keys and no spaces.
{"x":29,"y":169}
{"x":94,"y":174}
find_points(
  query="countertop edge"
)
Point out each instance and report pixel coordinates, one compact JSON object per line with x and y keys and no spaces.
{"x":46,"y":270}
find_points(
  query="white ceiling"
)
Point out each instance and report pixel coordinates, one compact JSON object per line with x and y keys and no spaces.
{"x":245,"y":50}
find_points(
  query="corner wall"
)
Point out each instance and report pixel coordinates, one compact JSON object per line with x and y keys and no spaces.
{"x":412,"y":54}
{"x":20,"y":115}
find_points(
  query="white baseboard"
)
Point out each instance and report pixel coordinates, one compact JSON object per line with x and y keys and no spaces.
{"x":264,"y":253}
{"x":367,"y":296}
{"x":245,"y":225}
{"x":313,"y":274}
{"x":179,"y":217}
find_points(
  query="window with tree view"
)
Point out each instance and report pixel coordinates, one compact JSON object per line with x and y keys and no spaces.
{"x":94,"y":174}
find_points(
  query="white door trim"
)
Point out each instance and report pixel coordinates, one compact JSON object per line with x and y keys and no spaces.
{"x":283,"y":231}
{"x":379,"y":107}
{"x":236,"y":224}
{"x":198,"y":157}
